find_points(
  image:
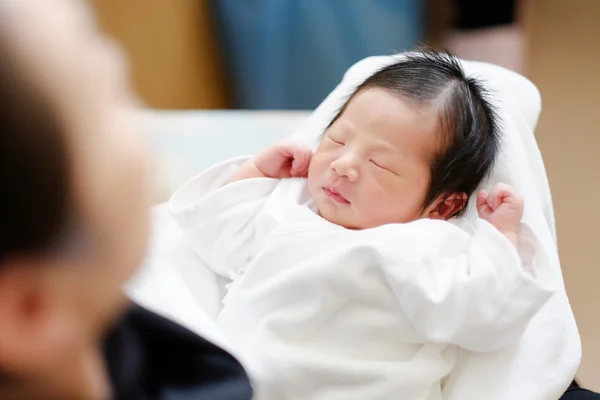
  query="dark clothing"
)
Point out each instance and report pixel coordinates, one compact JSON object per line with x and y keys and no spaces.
{"x":150,"y":357}
{"x":576,"y":393}
{"x":580,"y":394}
{"x":477,"y":14}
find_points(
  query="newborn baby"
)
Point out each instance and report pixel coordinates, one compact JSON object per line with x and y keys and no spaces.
{"x":403,"y":147}
{"x":351,"y":283}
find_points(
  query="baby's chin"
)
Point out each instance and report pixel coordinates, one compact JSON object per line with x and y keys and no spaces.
{"x":335,"y":218}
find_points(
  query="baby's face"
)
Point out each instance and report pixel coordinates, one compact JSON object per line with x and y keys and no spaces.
{"x":373,"y":165}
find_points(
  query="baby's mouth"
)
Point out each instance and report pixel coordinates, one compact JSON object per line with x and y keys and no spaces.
{"x":335,"y":195}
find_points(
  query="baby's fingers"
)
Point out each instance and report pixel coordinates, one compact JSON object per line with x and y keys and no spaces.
{"x":482,"y":203}
{"x":502,"y":193}
{"x":302,"y":158}
{"x":482,"y":197}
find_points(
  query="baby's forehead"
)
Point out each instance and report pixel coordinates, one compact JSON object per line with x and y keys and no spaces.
{"x":383,"y":113}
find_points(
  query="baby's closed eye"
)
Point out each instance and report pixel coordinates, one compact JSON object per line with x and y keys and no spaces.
{"x":383,"y":166}
{"x":336,"y":141}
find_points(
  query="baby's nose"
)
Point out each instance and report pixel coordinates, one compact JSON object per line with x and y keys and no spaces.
{"x":346,"y":167}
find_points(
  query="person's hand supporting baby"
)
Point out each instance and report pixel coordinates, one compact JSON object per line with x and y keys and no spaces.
{"x":502,"y":207}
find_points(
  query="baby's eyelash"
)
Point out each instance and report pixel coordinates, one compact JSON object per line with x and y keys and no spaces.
{"x":375,"y":163}
{"x":384,"y":168}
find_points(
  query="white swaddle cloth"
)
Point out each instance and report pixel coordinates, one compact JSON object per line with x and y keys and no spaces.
{"x":545,"y":360}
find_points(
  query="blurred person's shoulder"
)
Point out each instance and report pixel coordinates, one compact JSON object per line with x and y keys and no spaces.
{"x":151,"y":357}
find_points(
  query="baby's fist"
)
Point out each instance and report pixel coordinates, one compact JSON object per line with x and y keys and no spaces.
{"x":284,"y":160}
{"x":503,"y":208}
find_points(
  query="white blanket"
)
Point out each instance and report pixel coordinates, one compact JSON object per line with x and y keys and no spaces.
{"x":544,"y":361}
{"x":323,"y":312}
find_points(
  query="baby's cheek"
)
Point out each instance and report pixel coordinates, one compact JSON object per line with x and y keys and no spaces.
{"x":387,"y":205}
{"x":319,"y":165}
{"x":313,"y":173}
{"x":378,"y":193}
{"x":373,"y":203}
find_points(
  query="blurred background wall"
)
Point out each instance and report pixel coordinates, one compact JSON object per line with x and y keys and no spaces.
{"x":564,"y":61}
{"x":188,"y":54}
{"x":174,"y":58}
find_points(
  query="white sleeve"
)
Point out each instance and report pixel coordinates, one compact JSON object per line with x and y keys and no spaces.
{"x":478,"y":292}
{"x":219,"y":220}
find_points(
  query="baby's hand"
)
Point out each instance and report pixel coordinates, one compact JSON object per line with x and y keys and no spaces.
{"x":503,"y":208}
{"x":284,"y":160}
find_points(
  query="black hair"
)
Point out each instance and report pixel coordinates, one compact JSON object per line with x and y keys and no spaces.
{"x":468,"y":121}
{"x":33,"y":164}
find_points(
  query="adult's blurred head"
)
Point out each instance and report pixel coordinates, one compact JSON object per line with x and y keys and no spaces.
{"x":75,"y":197}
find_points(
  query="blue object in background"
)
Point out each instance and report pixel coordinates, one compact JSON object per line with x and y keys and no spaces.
{"x":289,"y":54}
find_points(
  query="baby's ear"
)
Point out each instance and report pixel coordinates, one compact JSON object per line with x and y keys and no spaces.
{"x":445,"y":207}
